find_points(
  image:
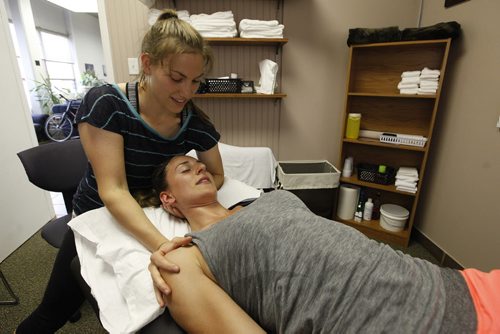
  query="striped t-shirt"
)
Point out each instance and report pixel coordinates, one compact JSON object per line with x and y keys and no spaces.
{"x":107,"y":107}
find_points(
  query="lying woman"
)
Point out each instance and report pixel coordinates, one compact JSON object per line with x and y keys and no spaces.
{"x":273,"y":266}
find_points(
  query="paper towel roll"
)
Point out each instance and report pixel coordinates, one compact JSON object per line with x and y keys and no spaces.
{"x":348,"y":200}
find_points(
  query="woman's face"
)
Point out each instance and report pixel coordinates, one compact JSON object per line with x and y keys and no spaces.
{"x":189,"y":182}
{"x":174,"y":81}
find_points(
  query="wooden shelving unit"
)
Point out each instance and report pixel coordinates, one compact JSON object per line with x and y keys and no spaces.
{"x":374,"y":71}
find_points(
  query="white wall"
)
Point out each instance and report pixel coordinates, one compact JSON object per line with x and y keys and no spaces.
{"x":87,"y":41}
{"x":24,"y":208}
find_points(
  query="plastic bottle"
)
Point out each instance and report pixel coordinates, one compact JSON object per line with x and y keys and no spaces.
{"x":353,"y":125}
{"x":367,"y":212}
{"x":358,"y":215}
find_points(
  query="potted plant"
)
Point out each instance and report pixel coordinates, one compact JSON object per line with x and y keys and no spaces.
{"x":89,"y":80}
{"x":47,"y":94}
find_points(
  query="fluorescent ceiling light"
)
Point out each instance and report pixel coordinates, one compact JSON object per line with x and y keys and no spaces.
{"x":78,"y":6}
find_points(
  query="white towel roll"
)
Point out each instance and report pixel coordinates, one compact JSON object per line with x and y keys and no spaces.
{"x":348,"y":200}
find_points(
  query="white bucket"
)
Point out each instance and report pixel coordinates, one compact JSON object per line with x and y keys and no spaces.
{"x":393,"y":217}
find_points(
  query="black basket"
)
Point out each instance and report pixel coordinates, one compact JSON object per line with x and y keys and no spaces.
{"x":223,"y":85}
{"x":370,"y":173}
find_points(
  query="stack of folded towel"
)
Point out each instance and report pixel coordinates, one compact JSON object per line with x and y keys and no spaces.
{"x":422,"y":82}
{"x":428,"y":81}
{"x":409,"y":82}
{"x":260,"y":29}
{"x":218,"y":24}
{"x":407,"y":179}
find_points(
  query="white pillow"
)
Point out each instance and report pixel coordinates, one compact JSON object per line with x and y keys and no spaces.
{"x":114,"y":264}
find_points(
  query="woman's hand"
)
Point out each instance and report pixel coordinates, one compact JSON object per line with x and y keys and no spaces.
{"x":158,"y":261}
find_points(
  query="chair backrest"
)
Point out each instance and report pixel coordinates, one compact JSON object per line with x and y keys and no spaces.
{"x":57,"y":167}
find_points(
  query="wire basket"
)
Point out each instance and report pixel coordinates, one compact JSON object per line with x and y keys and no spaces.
{"x":370,"y":173}
{"x":394,"y":138}
{"x":223,"y":85}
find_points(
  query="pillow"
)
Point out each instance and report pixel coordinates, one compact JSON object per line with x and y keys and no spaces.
{"x":114,"y":264}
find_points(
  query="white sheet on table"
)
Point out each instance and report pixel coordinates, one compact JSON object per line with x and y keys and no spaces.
{"x":255,"y":166}
{"x":114,"y":264}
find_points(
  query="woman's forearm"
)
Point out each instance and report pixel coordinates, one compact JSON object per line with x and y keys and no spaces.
{"x":131,"y":216}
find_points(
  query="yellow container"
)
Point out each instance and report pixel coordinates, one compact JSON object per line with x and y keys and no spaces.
{"x":353,"y":124}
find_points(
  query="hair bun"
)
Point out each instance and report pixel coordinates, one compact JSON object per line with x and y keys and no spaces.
{"x":167,"y":14}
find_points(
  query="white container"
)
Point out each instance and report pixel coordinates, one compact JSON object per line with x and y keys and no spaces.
{"x":367,"y":213}
{"x":393,"y":217}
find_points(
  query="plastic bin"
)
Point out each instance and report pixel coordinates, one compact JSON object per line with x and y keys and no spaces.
{"x":315,"y":182}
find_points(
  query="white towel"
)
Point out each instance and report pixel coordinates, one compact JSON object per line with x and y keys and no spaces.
{"x":407,"y":184}
{"x":429,"y":84}
{"x":428,"y":71}
{"x":402,"y":85}
{"x":410,"y":80}
{"x":408,"y":74}
{"x":248,"y":24}
{"x":407,"y":178}
{"x":261,"y":34}
{"x":407,"y":171}
{"x":225,"y":15}
{"x":411,"y":91}
{"x":407,"y":189}
{"x":429,"y":77}
{"x":425,"y":91}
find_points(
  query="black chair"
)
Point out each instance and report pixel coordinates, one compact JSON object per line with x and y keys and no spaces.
{"x":56,"y":167}
{"x":59,"y":167}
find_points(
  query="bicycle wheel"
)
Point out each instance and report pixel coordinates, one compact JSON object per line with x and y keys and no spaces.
{"x":58,"y":128}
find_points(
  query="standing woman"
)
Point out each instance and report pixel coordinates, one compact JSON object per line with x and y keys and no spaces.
{"x":126,"y":131}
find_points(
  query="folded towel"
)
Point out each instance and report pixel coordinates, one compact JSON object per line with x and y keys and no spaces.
{"x":410,"y":80}
{"x":411,"y":91}
{"x":406,"y":184}
{"x":406,"y":189}
{"x":423,"y":91}
{"x":248,"y":23}
{"x":407,"y":178}
{"x":212,"y":33}
{"x":429,"y":77}
{"x":407,"y":171}
{"x":429,"y":84}
{"x":428,"y":71}
{"x":217,"y":15}
{"x":256,"y":34}
{"x":408,"y":74}
{"x":403,"y":85}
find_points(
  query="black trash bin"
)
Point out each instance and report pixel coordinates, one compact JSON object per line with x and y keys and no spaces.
{"x":315,"y":182}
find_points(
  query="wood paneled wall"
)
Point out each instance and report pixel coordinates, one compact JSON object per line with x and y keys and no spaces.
{"x":241,"y":122}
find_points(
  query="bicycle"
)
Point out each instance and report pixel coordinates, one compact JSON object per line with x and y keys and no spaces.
{"x":61,"y":126}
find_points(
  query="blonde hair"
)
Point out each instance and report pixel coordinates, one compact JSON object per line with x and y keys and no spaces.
{"x":170,"y":35}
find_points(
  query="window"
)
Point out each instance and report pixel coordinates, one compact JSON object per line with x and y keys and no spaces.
{"x":58,"y":61}
{"x":20,"y":62}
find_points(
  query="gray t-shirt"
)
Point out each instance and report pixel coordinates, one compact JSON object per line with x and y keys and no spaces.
{"x":295,"y":272}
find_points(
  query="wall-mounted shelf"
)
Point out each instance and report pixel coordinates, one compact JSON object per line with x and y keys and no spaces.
{"x":246,"y":41}
{"x":239,"y":96}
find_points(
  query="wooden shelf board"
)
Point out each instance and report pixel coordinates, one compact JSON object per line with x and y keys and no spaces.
{"x":246,"y":41}
{"x":404,"y":96}
{"x":240,"y":96}
{"x":390,"y":188}
{"x":373,"y":229}
{"x":375,"y":142}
